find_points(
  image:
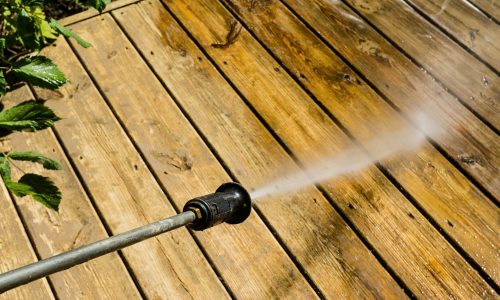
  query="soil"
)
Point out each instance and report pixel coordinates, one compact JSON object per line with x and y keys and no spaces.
{"x":58,"y":9}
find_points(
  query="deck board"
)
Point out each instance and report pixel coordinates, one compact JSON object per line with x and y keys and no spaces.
{"x":76,"y":224}
{"x":189,"y":80}
{"x":490,"y":7}
{"x":114,"y":4}
{"x":184,"y":165}
{"x":468,"y":141}
{"x":465,"y":23}
{"x":469,"y":79}
{"x":164,"y":108}
{"x":360,"y":110}
{"x":250,"y":151}
{"x":126,"y":193}
{"x":16,"y":251}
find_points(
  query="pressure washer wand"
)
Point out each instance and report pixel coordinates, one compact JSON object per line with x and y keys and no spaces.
{"x":230,"y":203}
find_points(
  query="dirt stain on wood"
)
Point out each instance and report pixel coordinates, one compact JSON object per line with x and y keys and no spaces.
{"x":469,"y":159}
{"x":232,"y":35}
{"x":372,"y":48}
{"x":180,"y":161}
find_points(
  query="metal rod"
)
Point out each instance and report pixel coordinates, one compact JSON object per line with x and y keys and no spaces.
{"x":72,"y":258}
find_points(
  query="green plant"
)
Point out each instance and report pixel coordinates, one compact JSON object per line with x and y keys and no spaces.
{"x":24,"y":31}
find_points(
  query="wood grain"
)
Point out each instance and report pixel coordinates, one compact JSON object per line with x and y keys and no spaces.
{"x":89,"y":13}
{"x":491,"y":7}
{"x":16,"y":251}
{"x":185,"y":165}
{"x":416,"y":251}
{"x":312,"y":136}
{"x":125,"y":192}
{"x":464,"y":75}
{"x":76,"y":224}
{"x":251,"y":263}
{"x":466,"y":24}
{"x":463,"y":136}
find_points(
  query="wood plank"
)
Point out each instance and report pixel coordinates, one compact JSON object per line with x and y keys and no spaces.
{"x":416,"y":251}
{"x":427,"y":175}
{"x":16,"y":251}
{"x":468,"y":141}
{"x":491,"y":7}
{"x":469,"y":79}
{"x":469,"y":26}
{"x":89,"y":13}
{"x":76,"y":224}
{"x":272,"y":276}
{"x":124,"y":190}
{"x":187,"y":168}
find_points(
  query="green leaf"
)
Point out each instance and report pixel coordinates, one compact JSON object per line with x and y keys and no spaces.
{"x":67,"y":32}
{"x":3,"y":84}
{"x":36,"y":157}
{"x":18,"y":189}
{"x":47,"y":30}
{"x":41,"y":188}
{"x":40,"y":71}
{"x":100,"y":5}
{"x":4,"y":168}
{"x":38,"y":16}
{"x":27,"y":32}
{"x":29,"y":115}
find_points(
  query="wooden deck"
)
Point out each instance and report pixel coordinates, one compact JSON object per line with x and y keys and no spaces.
{"x":176,"y":97}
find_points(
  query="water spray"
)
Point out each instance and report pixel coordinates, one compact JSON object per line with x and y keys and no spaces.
{"x":230,"y":204}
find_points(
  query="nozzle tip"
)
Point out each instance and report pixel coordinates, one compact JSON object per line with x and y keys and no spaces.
{"x":230,"y":203}
{"x":242,"y":205}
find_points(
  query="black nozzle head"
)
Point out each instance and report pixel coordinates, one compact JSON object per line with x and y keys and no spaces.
{"x":230,"y":203}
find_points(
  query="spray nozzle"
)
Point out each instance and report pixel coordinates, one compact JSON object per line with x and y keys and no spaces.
{"x":230,"y":203}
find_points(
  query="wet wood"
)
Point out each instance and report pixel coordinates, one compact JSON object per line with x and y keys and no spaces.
{"x":491,"y":7}
{"x":76,"y":224}
{"x":464,"y":75}
{"x":312,"y":136}
{"x":16,"y":251}
{"x":326,"y":242}
{"x":128,"y":188}
{"x":427,"y":175}
{"x":248,"y":257}
{"x":469,"y":26}
{"x":272,"y":276}
{"x":468,"y":141}
{"x":370,"y":201}
{"x":125,"y":192}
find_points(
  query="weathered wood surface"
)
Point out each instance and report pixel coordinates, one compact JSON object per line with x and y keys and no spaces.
{"x":93,"y":12}
{"x":133,"y":145}
{"x":76,"y":224}
{"x":468,"y":78}
{"x":467,"y":140}
{"x":16,"y":251}
{"x":469,"y":26}
{"x":125,"y":192}
{"x":185,"y":166}
{"x":212,"y":105}
{"x":312,"y":136}
{"x":491,"y":7}
{"x":273,"y":275}
{"x":427,"y":175}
